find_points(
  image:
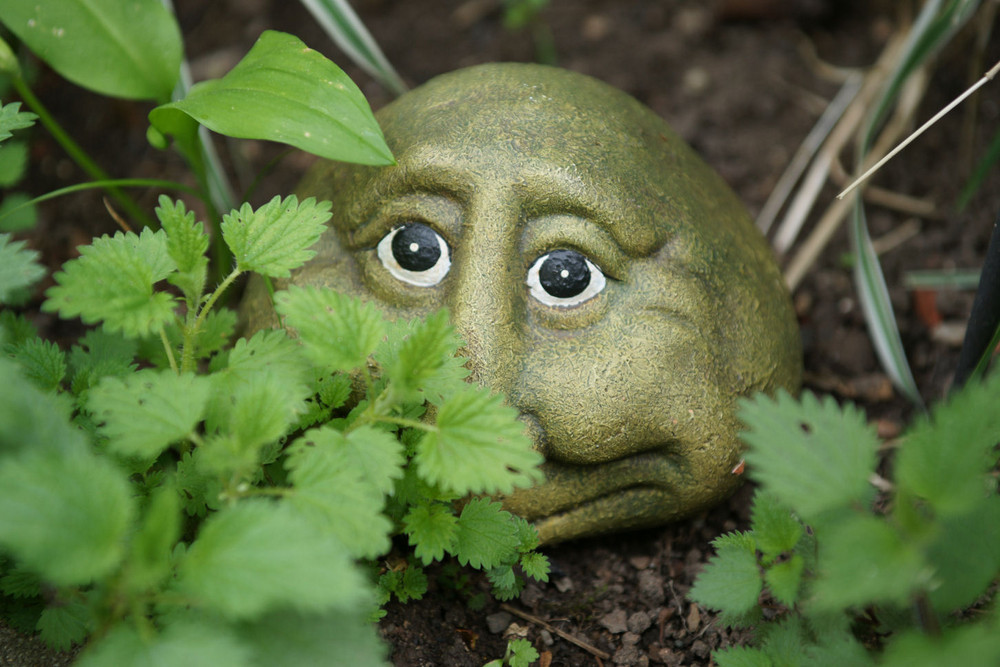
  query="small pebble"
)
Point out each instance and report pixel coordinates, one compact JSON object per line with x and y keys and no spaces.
{"x":640,"y":562}
{"x":615,"y":622}
{"x":498,"y":622}
{"x":546,"y":637}
{"x":639,"y":622}
{"x":563,"y":585}
{"x":651,"y":588}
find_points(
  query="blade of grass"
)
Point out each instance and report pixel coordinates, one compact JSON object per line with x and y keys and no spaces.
{"x":347,"y":31}
{"x":932,"y":29}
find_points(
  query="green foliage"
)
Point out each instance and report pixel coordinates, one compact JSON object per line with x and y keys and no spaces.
{"x":160,"y":509}
{"x":298,"y":97}
{"x":130,"y":50}
{"x":519,"y":653}
{"x":832,"y":571}
{"x":18,"y":268}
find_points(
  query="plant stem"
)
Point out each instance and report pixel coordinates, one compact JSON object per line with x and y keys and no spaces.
{"x":76,"y":153}
{"x":227,"y":281}
{"x":169,"y":351}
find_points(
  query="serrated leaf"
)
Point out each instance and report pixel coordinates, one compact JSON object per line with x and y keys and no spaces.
{"x":965,"y":555}
{"x":341,"y":480}
{"x":334,"y":390}
{"x":100,"y":354}
{"x":535,"y":565}
{"x":198,"y":490}
{"x":887,"y":569}
{"x":32,"y":420}
{"x":505,"y":583}
{"x":485,"y":535}
{"x":974,"y":645}
{"x":186,"y":238}
{"x":731,"y":579}
{"x":130,"y":50}
{"x":66,"y":514}
{"x":237,"y":409}
{"x":63,"y":625}
{"x":12,"y":118}
{"x":143,"y":413}
{"x":812,"y":455}
{"x":775,"y":529}
{"x":18,"y":268}
{"x":431,"y":528}
{"x":422,"y":354}
{"x":314,"y":641}
{"x":298,"y":97}
{"x":523,"y":654}
{"x":260,"y":556}
{"x":783,"y":579}
{"x":478,"y":446}
{"x":339,"y":332}
{"x":112,"y":282}
{"x":944,"y":459}
{"x":15,"y":329}
{"x":276,"y":237}
{"x":42,"y":362}
{"x":149,"y":558}
{"x":187,"y":643}
{"x":20,"y":582}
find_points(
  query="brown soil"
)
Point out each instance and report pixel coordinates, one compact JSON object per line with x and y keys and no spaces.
{"x":735,"y":80}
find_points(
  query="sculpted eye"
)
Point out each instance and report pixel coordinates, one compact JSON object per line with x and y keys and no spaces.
{"x":564,"y":278}
{"x":415,"y":254}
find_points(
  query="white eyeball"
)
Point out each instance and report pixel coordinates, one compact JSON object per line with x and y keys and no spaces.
{"x":415,"y":254}
{"x":564,"y":278}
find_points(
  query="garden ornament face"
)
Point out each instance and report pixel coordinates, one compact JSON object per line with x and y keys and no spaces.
{"x":603,"y":277}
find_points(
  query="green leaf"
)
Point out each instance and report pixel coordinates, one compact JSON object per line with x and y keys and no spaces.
{"x":965,"y":555}
{"x":12,"y":118}
{"x":63,"y":625}
{"x":65,"y":514}
{"x":13,"y":162}
{"x":424,"y":351}
{"x":731,"y":580}
{"x":17,"y":212}
{"x":20,"y":582}
{"x":130,"y":50}
{"x":339,"y":332}
{"x":18,"y":268}
{"x":276,"y":237}
{"x":187,"y":643}
{"x":336,"y":638}
{"x":741,"y":656}
{"x":974,"y":645}
{"x":187,"y":243}
{"x":270,"y":351}
{"x":41,"y":362}
{"x":149,"y":559}
{"x":15,"y":329}
{"x":478,"y":446}
{"x":31,"y":420}
{"x":784,"y":578}
{"x":535,"y":565}
{"x":522,"y":653}
{"x":775,"y":529}
{"x":334,"y":390}
{"x":944,"y":459}
{"x":485,"y":535}
{"x":886,"y":569}
{"x":432,"y":528}
{"x":812,"y":455}
{"x":99,"y":354}
{"x":260,"y":556}
{"x":143,"y":413}
{"x":112,"y":281}
{"x":341,"y":482}
{"x":297,"y":97}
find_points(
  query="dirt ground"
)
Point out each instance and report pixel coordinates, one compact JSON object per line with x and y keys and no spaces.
{"x":736,"y":80}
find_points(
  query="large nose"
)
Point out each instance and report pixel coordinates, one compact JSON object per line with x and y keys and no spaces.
{"x":486,"y":298}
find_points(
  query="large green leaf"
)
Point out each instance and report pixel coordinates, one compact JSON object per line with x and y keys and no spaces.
{"x":284,"y":91}
{"x":124,"y":48}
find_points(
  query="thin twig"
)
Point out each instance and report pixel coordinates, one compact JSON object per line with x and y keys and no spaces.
{"x":593,"y":650}
{"x":935,"y":118}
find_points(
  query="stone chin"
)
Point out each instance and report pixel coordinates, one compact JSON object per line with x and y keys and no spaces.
{"x":603,"y":277}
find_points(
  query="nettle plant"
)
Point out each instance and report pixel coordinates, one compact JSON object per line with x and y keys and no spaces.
{"x":165,"y":495}
{"x":168,"y":496}
{"x":843,"y":567}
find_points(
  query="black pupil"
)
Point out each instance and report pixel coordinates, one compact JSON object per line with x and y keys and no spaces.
{"x":416,"y":247}
{"x":564,"y":273}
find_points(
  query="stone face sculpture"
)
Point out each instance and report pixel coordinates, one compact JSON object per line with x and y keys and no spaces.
{"x":603,"y":276}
